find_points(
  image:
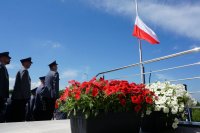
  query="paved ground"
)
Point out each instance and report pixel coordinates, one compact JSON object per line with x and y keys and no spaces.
{"x":61,"y":126}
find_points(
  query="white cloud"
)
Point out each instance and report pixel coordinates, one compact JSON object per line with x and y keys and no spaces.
{"x":11,"y":83}
{"x":51,"y":44}
{"x":12,"y":66}
{"x":70,"y":74}
{"x":35,"y":84}
{"x":182,"y":18}
{"x":163,"y":77}
{"x":78,"y":74}
{"x":56,"y":45}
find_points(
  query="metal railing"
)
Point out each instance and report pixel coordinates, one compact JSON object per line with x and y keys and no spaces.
{"x":161,"y":70}
{"x":194,"y":50}
{"x":197,"y":49}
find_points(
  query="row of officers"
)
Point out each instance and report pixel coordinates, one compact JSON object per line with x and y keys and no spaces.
{"x":26,"y":104}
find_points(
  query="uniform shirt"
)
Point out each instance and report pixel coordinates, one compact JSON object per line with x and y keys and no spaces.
{"x":4,"y":81}
{"x":22,"y":87}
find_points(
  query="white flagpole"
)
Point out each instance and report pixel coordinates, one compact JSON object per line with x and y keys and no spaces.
{"x":142,"y":70}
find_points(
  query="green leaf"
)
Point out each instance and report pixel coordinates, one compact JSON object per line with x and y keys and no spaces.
{"x":74,"y":112}
{"x":91,"y":105}
{"x":69,"y":113}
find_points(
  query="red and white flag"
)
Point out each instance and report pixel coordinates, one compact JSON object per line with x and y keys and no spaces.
{"x":142,"y":31}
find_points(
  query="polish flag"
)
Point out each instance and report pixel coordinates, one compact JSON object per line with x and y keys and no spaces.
{"x":142,"y":31}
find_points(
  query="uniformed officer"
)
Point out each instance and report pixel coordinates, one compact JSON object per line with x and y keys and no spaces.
{"x":4,"y":83}
{"x":39,"y":110}
{"x":30,"y":106}
{"x":51,"y":91}
{"x":22,"y":91}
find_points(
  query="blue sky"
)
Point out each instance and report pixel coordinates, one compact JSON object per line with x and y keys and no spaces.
{"x":90,"y":36}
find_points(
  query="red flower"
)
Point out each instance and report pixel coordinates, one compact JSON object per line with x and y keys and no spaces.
{"x":149,"y":100}
{"x":87,"y":90}
{"x":108,"y":92}
{"x":77,"y":94}
{"x":101,"y":79}
{"x":95,"y":92}
{"x":146,"y":92}
{"x":120,"y":96}
{"x":65,"y":95}
{"x":84,"y":85}
{"x":93,"y":79}
{"x":122,"y":99}
{"x":138,"y":108}
{"x":123,"y":102}
{"x":56,"y":105}
{"x":136,"y":90}
{"x":136,"y":99}
{"x":74,"y":83}
{"x":129,"y":95}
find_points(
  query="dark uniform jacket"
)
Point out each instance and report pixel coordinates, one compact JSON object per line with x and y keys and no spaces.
{"x":22,"y":85}
{"x":4,"y":82}
{"x":51,"y":85}
{"x":39,"y":102}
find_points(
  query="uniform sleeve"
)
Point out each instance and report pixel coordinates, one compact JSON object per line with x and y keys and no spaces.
{"x":56,"y":84}
{"x":55,"y":81}
{"x":25,"y":84}
{"x":2,"y":78}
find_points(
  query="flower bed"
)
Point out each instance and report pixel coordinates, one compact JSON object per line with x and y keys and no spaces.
{"x":172,"y":99}
{"x":99,"y":100}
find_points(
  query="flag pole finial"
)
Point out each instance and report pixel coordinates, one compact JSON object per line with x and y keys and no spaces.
{"x":136,"y":7}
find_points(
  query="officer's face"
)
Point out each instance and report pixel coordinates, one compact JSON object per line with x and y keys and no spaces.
{"x":42,"y":82}
{"x":27,"y":64}
{"x":54,"y":67}
{"x":7,"y":60}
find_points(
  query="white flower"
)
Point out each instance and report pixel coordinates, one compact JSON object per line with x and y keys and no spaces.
{"x":157,"y":93}
{"x":175,"y":125}
{"x":174,"y":102}
{"x":174,"y":110}
{"x":157,"y":108}
{"x":166,"y":110}
{"x":182,"y":105}
{"x":161,"y":100}
{"x":181,"y":109}
{"x":176,"y":121}
{"x":169,"y":104}
{"x":169,"y":92}
{"x":172,"y":98}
